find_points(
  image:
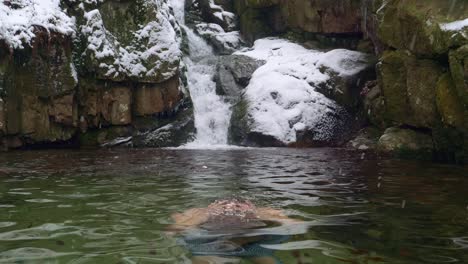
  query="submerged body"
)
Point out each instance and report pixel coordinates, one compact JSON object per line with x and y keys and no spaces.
{"x":227,"y":222}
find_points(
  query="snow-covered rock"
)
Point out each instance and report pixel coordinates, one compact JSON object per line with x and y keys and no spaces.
{"x":20,"y":19}
{"x":281,"y":101}
{"x":224,"y":42}
{"x":146,"y":52}
{"x":214,"y":13}
{"x":455,"y":25}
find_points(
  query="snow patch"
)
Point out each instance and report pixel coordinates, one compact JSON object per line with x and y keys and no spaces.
{"x":20,"y":19}
{"x":454,"y":26}
{"x":155,"y":46}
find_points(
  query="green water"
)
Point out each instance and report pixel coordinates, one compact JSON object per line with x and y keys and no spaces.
{"x":113,"y":206}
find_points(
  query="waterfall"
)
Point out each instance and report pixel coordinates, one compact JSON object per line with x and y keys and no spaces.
{"x":212,"y":114}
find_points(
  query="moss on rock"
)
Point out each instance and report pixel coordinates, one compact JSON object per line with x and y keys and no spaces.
{"x":449,"y":104}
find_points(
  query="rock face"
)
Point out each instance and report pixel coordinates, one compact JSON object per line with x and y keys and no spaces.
{"x":87,"y":79}
{"x":262,"y":18}
{"x":406,"y":142}
{"x":233,"y":74}
{"x":224,"y":43}
{"x":423,"y":78}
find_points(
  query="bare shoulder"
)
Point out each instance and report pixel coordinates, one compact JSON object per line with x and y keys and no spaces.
{"x":190,"y":217}
{"x":266,"y":213}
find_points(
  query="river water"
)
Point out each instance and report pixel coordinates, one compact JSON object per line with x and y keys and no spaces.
{"x":114,"y":206}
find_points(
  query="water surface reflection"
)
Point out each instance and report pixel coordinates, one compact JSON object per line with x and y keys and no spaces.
{"x":114,"y":206}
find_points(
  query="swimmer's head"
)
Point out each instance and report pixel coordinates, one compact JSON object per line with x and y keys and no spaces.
{"x":232,"y":214}
{"x":232,"y":207}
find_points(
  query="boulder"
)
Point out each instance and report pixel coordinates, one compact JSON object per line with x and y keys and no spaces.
{"x":233,"y":74}
{"x":449,"y":104}
{"x":366,"y":139}
{"x":224,"y":43}
{"x":407,"y":143}
{"x":409,"y":87}
{"x":420,"y":26}
{"x":215,"y":13}
{"x":374,"y":104}
{"x":284,"y":102}
{"x":347,"y":89}
{"x":458,"y":60}
{"x":179,"y":131}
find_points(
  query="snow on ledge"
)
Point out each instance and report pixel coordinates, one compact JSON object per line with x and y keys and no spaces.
{"x":454,"y":26}
{"x":18,"y":20}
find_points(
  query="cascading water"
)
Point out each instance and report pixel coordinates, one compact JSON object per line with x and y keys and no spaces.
{"x":212,"y":114}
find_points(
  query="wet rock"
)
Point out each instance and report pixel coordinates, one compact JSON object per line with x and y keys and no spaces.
{"x":409,"y":85}
{"x":449,"y":104}
{"x":106,"y":137}
{"x":374,"y":104}
{"x":10,"y":142}
{"x":336,"y":16}
{"x":116,"y":106}
{"x":105,"y":104}
{"x":347,"y":89}
{"x":214,"y":13}
{"x":259,"y":19}
{"x":407,"y":143}
{"x":224,"y":43}
{"x":366,"y":139}
{"x":151,"y":99}
{"x":415,"y":25}
{"x":334,"y":129}
{"x":458,"y":60}
{"x":63,"y":110}
{"x":233,"y":74}
{"x":174,"y":134}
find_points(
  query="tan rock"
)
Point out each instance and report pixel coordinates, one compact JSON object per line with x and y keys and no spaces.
{"x":148,"y":100}
{"x":324,"y":16}
{"x":116,"y":106}
{"x":151,"y":99}
{"x":62,"y":110}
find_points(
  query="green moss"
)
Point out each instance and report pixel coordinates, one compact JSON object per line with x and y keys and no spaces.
{"x":414,"y":25}
{"x":392,"y":80}
{"x":459,"y":69}
{"x":448,"y":102}
{"x":123,"y":18}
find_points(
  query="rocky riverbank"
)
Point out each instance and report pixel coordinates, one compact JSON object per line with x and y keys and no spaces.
{"x":390,"y":74}
{"x":418,"y":104}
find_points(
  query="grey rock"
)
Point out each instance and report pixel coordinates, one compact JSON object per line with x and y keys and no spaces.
{"x":173,"y":134}
{"x":233,"y":74}
{"x":407,"y":143}
{"x":224,"y":43}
